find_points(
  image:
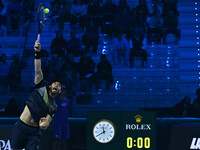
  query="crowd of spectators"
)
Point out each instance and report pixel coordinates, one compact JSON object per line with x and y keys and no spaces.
{"x":14,"y":14}
{"x":186,"y":107}
{"x":126,"y":27}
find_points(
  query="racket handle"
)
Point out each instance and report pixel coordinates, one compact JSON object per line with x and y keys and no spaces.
{"x":38,"y":38}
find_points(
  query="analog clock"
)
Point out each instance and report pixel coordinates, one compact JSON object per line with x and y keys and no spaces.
{"x":104,"y":131}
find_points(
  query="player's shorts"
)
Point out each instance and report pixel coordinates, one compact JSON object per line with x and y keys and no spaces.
{"x":25,"y":136}
{"x":61,"y":130}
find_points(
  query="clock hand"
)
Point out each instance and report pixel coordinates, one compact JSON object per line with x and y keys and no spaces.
{"x":103,"y":131}
{"x":100,"y":133}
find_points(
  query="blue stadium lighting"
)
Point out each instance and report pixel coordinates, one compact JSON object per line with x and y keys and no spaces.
{"x":197,"y":38}
{"x":197,"y":26}
{"x":197,"y":42}
{"x":198,"y":49}
{"x":169,"y":47}
{"x":196,"y":14}
{"x":195,"y":8}
{"x":167,"y":90}
{"x":168,"y":78}
{"x":195,"y":3}
{"x":105,"y":42}
{"x":150,"y":89}
{"x":99,"y":101}
{"x":198,"y":54}
{"x":197,"y":31}
{"x":196,"y":19}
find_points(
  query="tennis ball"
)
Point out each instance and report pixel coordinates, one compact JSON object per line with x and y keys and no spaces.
{"x":46,"y":10}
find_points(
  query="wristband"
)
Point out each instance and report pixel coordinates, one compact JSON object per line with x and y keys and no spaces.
{"x":37,"y":55}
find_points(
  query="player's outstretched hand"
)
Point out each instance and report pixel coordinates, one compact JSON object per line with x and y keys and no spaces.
{"x":44,"y":124}
{"x":37,"y":46}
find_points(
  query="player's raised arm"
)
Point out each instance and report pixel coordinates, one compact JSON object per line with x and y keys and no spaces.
{"x":37,"y":61}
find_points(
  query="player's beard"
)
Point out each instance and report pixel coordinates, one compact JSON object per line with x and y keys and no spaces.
{"x":53,"y":94}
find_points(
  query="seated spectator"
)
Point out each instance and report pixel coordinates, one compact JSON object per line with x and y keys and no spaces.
{"x":136,"y":48}
{"x":170,"y":26}
{"x":123,"y":21}
{"x":51,"y":70}
{"x":12,"y":109}
{"x":2,"y":16}
{"x":86,"y":67}
{"x":78,"y":12}
{"x":170,"y":5}
{"x":94,"y":10}
{"x":13,"y":16}
{"x":121,"y":50}
{"x":91,"y":36}
{"x":14,"y":76}
{"x":68,"y":72}
{"x":27,"y":6}
{"x":108,"y":11}
{"x":58,"y":45}
{"x":154,"y":23}
{"x":74,"y":45}
{"x":196,"y":104}
{"x":140,"y":14}
{"x":60,"y":12}
{"x":183,"y":108}
{"x":4,"y":66}
{"x":4,"y":70}
{"x":104,"y":72}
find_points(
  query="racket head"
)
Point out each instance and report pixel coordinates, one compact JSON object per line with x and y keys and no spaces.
{"x":42,"y":17}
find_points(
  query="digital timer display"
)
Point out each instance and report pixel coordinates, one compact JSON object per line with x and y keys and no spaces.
{"x":140,"y":142}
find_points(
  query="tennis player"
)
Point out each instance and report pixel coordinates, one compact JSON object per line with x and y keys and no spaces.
{"x":39,"y":110}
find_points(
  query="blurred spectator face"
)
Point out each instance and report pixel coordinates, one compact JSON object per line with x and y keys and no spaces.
{"x":142,"y":2}
{"x":119,"y":36}
{"x":59,"y":35}
{"x":71,"y":57}
{"x":73,"y":35}
{"x":103,"y":57}
{"x":63,"y":92}
{"x":16,"y":58}
{"x":171,"y":13}
{"x":109,"y":1}
{"x":198,"y":92}
{"x":3,"y":58}
{"x":187,"y":100}
{"x":78,"y":2}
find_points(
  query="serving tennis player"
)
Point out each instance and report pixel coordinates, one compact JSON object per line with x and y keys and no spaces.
{"x":39,"y":109}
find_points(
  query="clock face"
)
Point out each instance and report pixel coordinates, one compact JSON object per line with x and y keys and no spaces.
{"x":104,"y":131}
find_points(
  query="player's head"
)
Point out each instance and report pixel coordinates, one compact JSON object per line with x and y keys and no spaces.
{"x":55,"y":87}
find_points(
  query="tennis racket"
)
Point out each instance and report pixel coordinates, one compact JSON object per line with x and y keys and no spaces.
{"x":42,"y":17}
